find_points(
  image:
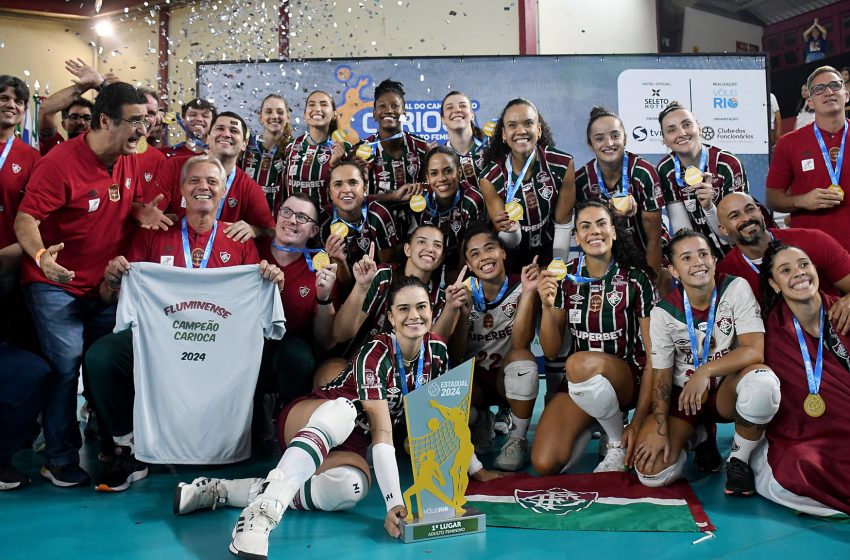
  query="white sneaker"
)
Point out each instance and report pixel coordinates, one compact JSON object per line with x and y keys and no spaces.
{"x":512,"y":456}
{"x":251,"y":533}
{"x":482,"y":433}
{"x":201,"y":493}
{"x":615,"y":459}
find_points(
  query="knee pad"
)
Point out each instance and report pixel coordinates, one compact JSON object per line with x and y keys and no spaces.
{"x":666,"y":477}
{"x":596,"y":396}
{"x":521,"y":381}
{"x":336,"y":489}
{"x":758,"y":396}
{"x":336,"y":419}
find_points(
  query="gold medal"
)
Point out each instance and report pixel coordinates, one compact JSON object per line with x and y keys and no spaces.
{"x":364,"y":152}
{"x":814,"y":405}
{"x":114,"y":193}
{"x":340,"y":229}
{"x":693,"y":176}
{"x":468,"y":283}
{"x":417,"y":203}
{"x":623,"y":204}
{"x":142,"y":145}
{"x":338,"y":136}
{"x":514,"y":210}
{"x":169,"y":118}
{"x":559,"y":267}
{"x":838,"y":190}
{"x":489,"y":128}
{"x":321,"y":260}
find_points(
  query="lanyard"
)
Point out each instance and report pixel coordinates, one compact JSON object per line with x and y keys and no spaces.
{"x":6,"y":151}
{"x":752,"y":263}
{"x":677,"y":165}
{"x":328,"y":141}
{"x":304,"y":252}
{"x":624,"y":179}
{"x":434,"y":208}
{"x":187,"y":254}
{"x":262,"y":149}
{"x":380,"y":140}
{"x":579,"y":279}
{"x":336,"y":218}
{"x":475,"y":142}
{"x":478,"y":293}
{"x":510,"y":187}
{"x":834,"y":172}
{"x":813,"y":376}
{"x":402,"y":374}
{"x":709,"y":328}
{"x":226,"y":192}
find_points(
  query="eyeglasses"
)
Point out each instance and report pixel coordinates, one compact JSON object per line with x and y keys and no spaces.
{"x":137,"y":123}
{"x":300,"y":217}
{"x":75,"y":117}
{"x":834,"y":85}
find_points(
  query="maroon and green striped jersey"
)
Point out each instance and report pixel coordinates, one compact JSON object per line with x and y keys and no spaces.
{"x":263,"y":165}
{"x":644,"y":186}
{"x":378,"y":227}
{"x":603,"y":315}
{"x":308,"y":169}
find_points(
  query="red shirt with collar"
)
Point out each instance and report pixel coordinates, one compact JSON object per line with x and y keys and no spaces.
{"x":13,"y":178}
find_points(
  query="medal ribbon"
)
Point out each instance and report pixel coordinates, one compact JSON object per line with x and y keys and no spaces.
{"x":402,"y":374}
{"x":305,"y":252}
{"x":813,"y":376}
{"x":8,"y":149}
{"x":226,"y":192}
{"x":478,"y":293}
{"x":187,"y":253}
{"x":834,"y":172}
{"x":677,"y":165}
{"x":433,"y":209}
{"x":709,"y":328}
{"x":579,"y":279}
{"x":336,"y":218}
{"x":190,"y":136}
{"x":510,"y":187}
{"x":380,"y":140}
{"x":624,"y":179}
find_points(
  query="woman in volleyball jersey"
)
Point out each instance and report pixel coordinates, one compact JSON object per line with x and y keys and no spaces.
{"x":528,"y":185}
{"x":465,"y":137}
{"x":308,"y":159}
{"x":803,"y":465}
{"x":451,"y":204}
{"x":327,"y":433}
{"x":695,"y":176}
{"x":625,"y":180}
{"x":604,"y":300}
{"x":263,"y":156}
{"x":707,"y":343}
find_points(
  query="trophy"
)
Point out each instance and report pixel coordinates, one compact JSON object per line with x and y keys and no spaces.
{"x":440,"y":450}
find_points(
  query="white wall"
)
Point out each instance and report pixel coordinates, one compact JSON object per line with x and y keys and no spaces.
{"x":707,"y":33}
{"x":591,"y":27}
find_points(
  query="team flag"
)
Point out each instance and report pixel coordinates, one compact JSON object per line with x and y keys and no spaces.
{"x":587,"y":502}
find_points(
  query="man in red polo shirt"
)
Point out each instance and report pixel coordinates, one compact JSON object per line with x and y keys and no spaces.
{"x":743,"y":223}
{"x":243,"y":206}
{"x":72,"y":220}
{"x":809,"y":173}
{"x":150,"y":159}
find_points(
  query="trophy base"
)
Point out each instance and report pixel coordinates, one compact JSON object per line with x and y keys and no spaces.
{"x":418,"y":530}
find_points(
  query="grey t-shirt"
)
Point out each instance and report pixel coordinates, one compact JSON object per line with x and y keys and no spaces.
{"x":197,"y":344}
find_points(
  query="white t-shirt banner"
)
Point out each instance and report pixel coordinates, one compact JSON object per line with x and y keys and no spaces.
{"x":197,"y":345}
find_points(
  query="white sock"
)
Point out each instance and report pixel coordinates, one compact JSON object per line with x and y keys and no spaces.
{"x":520,"y":426}
{"x":742,"y":448}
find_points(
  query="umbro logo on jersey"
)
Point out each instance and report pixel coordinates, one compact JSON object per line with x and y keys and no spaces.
{"x":576,"y":298}
{"x":16,"y":168}
{"x":225,"y":256}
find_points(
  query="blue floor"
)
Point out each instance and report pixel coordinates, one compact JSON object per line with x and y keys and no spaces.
{"x":45,"y":522}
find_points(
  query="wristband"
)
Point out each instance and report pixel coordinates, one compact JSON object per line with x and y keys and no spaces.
{"x":38,"y":255}
{"x":386,"y":471}
{"x":321,"y":301}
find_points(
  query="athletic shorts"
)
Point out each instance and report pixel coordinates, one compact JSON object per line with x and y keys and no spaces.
{"x":707,"y":414}
{"x":358,"y":442}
